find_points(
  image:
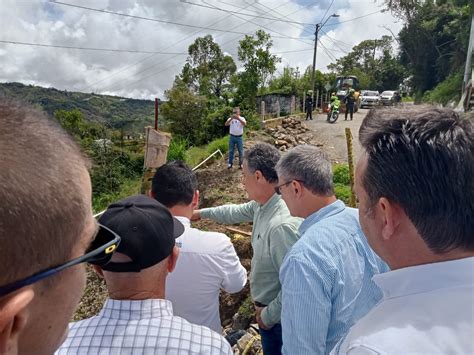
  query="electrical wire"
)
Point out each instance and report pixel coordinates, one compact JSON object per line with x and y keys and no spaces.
{"x":88,"y":48}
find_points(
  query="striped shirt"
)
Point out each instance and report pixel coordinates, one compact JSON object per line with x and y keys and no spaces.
{"x":327,"y":281}
{"x":141,"y":327}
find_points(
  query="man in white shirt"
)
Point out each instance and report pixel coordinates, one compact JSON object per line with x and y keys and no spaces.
{"x":236,"y":130}
{"x":136,"y":319}
{"x":208,"y":261}
{"x":414,"y":183}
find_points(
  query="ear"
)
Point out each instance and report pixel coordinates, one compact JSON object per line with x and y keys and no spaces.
{"x":13,"y":318}
{"x":195,"y":202}
{"x":297,"y":189}
{"x":258,"y":175}
{"x":98,"y":270}
{"x":172,"y":259}
{"x":390,"y":217}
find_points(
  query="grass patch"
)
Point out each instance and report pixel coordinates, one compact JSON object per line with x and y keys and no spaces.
{"x":127,"y":188}
{"x":341,"y":174}
{"x":195,"y":155}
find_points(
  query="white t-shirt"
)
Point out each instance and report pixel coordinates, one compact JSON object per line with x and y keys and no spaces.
{"x":426,"y":309}
{"x":207,"y":262}
{"x":237,"y":128}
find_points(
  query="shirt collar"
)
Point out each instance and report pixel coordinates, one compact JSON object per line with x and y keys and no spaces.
{"x":425,"y":278}
{"x":329,"y":210}
{"x":272,"y":202}
{"x":136,"y":309}
{"x":185,"y":221}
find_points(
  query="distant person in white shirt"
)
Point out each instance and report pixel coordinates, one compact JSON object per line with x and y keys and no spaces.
{"x":415,"y":187}
{"x":236,"y":130}
{"x":136,"y":318}
{"x":208,"y":261}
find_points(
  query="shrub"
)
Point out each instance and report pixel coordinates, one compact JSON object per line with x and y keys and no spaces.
{"x":341,"y":174}
{"x":343,"y":192}
{"x":222,"y":144}
{"x":177,"y":149}
{"x":446,"y":91}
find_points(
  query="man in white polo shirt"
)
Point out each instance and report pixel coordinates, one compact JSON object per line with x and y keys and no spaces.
{"x":414,"y":183}
{"x":208,"y":261}
{"x":236,"y":130}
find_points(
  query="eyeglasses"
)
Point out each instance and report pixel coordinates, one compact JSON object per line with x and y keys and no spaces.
{"x":278,"y":188}
{"x":99,"y":253}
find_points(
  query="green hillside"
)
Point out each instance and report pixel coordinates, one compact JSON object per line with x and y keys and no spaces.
{"x":131,"y":115}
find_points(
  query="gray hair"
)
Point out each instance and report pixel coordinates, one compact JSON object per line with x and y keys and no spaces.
{"x":311,"y":166}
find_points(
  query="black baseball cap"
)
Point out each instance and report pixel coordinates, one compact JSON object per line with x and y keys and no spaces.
{"x":148,"y":232}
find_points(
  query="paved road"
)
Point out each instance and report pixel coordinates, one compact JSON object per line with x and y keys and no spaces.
{"x":333,"y":135}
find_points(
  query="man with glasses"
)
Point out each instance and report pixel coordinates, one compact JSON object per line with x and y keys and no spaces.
{"x":326,"y":276}
{"x":46,"y":227}
{"x":136,"y":318}
{"x":274,"y":232}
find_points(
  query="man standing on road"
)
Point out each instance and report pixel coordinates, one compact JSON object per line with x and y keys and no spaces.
{"x":274,"y":232}
{"x":326,"y":276}
{"x":309,"y":106}
{"x":349,"y":100}
{"x":236,"y":130}
{"x":207,"y":260}
{"x":415,"y":188}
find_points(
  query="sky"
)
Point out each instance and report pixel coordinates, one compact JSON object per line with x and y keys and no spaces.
{"x":98,"y":24}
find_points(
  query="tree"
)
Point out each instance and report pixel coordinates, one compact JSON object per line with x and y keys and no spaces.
{"x":259,"y":65}
{"x":373,"y":62}
{"x":207,"y":70}
{"x":184,"y":112}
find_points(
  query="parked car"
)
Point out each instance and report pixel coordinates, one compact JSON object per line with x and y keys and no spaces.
{"x":369,"y":98}
{"x":387,"y":97}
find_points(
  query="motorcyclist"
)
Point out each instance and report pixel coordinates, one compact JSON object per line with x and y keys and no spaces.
{"x":333,"y":104}
{"x":349,"y":100}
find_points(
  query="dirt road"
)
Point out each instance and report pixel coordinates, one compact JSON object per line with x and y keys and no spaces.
{"x":333,"y":136}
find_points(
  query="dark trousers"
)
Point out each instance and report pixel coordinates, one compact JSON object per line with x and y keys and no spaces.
{"x":349,"y":108}
{"x":233,"y":141}
{"x":309,"y":113}
{"x":272,"y":340}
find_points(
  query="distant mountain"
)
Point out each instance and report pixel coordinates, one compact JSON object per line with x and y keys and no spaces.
{"x":117,"y":112}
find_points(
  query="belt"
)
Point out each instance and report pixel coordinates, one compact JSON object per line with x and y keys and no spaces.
{"x":258,"y":304}
{"x":233,"y":135}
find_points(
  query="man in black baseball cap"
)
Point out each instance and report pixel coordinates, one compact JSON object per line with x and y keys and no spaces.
{"x":136,"y":318}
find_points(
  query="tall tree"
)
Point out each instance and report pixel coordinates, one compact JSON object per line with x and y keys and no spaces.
{"x":259,"y":65}
{"x":207,"y":69}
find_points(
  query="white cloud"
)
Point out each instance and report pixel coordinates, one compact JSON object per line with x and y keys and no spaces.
{"x":146,"y":75}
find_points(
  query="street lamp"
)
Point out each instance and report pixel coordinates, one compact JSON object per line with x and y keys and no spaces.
{"x":318,"y":28}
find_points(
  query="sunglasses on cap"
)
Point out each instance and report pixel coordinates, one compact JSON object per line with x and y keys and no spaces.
{"x":99,"y":253}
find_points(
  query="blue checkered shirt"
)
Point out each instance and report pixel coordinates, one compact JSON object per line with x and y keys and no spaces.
{"x":141,"y":327}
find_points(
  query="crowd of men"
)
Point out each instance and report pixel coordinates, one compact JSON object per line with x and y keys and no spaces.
{"x":395,"y":276}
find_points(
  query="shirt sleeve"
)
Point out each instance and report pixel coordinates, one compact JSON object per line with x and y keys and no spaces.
{"x":306,"y":307}
{"x":234,"y":274}
{"x":230,"y":214}
{"x":282,"y":239}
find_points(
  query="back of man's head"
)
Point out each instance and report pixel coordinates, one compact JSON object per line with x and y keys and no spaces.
{"x":45,"y":206}
{"x":422,"y":158}
{"x":174,"y":184}
{"x":263,"y":157}
{"x":309,"y":165}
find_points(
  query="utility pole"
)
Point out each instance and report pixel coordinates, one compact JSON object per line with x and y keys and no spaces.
{"x":468,"y":67}
{"x":316,"y":33}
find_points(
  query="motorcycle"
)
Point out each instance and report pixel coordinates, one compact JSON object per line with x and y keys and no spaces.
{"x":333,"y":112}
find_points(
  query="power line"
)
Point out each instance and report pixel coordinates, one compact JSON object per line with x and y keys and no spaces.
{"x":231,"y":40}
{"x":154,"y":19}
{"x":88,"y":48}
{"x":327,"y":10}
{"x":356,"y":18}
{"x":245,"y":14}
{"x":149,"y":57}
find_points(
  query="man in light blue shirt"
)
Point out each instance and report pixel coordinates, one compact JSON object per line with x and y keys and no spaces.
{"x":326,"y":276}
